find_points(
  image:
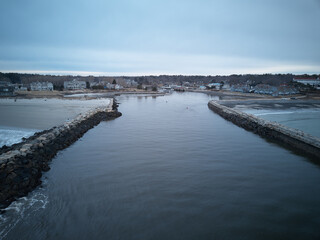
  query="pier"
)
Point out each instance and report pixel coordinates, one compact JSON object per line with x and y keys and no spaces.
{"x":22,"y":164}
{"x":294,"y":139}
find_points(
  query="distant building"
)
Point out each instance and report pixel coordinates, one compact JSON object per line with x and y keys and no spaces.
{"x":314,"y":82}
{"x":131,"y":83}
{"x":5,"y":83}
{"x":287,"y":90}
{"x":275,"y":91}
{"x":110,"y":86}
{"x":20,"y":87}
{"x":6,"y":90}
{"x":187,"y":84}
{"x":98,"y":84}
{"x":41,"y":86}
{"x":105,"y":85}
{"x":202,"y":88}
{"x":244,"y":88}
{"x":179,"y":88}
{"x":117,"y":87}
{"x":265,"y":89}
{"x":74,"y":85}
{"x":216,"y":86}
{"x":225,"y":86}
{"x":166,"y":89}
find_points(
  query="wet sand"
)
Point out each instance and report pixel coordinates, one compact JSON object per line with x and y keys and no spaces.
{"x":271,"y":104}
{"x":299,"y":114}
{"x":77,"y":94}
{"x":43,"y":113}
{"x":228,"y":95}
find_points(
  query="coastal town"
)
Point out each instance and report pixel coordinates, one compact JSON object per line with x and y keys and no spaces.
{"x":124,"y":119}
{"x":15,"y":85}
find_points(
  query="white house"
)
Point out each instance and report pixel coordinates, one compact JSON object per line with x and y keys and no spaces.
{"x":131,"y":83}
{"x":41,"y":86}
{"x":118,"y":87}
{"x":74,"y":85}
{"x":113,"y":86}
{"x":214,"y":85}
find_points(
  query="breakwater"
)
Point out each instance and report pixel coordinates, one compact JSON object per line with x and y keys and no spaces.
{"x":292,"y":138}
{"x":21,"y":165}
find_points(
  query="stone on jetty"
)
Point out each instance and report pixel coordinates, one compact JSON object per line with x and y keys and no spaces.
{"x":21,"y":164}
{"x":294,"y":139}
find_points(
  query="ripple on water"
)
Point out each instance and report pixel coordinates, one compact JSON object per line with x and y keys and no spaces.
{"x":21,"y":209}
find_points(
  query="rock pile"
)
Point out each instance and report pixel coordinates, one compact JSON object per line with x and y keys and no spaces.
{"x":21,"y":165}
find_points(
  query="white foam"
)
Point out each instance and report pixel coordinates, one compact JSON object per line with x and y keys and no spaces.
{"x":20,"y":209}
{"x":273,"y":113}
{"x":86,"y":95}
{"x":9,"y":136}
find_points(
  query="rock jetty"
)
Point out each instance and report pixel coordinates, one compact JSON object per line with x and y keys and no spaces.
{"x":22,"y":164}
{"x":294,"y":139}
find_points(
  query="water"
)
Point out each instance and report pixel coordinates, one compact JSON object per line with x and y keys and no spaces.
{"x":84,"y":95}
{"x":306,"y":120}
{"x":9,"y":136}
{"x":170,"y":168}
{"x":24,"y":117}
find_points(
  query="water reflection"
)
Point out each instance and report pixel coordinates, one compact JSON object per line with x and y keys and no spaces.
{"x":170,"y":168}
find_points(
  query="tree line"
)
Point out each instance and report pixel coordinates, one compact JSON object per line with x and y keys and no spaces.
{"x":253,"y":79}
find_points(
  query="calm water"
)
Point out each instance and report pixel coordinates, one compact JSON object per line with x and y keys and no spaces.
{"x":170,"y":168}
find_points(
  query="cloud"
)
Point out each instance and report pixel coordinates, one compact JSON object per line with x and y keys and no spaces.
{"x":102,"y":62}
{"x":167,"y":37}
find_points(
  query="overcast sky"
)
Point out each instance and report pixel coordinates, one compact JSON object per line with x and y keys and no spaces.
{"x":142,"y":37}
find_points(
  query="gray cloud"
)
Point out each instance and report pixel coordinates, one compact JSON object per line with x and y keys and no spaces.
{"x":284,"y":33}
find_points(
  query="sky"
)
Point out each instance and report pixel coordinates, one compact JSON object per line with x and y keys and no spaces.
{"x":153,"y":37}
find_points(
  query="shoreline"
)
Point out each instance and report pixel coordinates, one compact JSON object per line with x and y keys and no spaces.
{"x":42,"y":113}
{"x":252,"y":96}
{"x":62,"y":94}
{"x":85,"y":94}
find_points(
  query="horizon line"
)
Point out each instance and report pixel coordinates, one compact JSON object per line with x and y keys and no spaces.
{"x":134,"y":74}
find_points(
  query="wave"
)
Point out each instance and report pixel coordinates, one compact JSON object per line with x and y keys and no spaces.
{"x":21,"y":209}
{"x":272,"y":113}
{"x":9,"y":136}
